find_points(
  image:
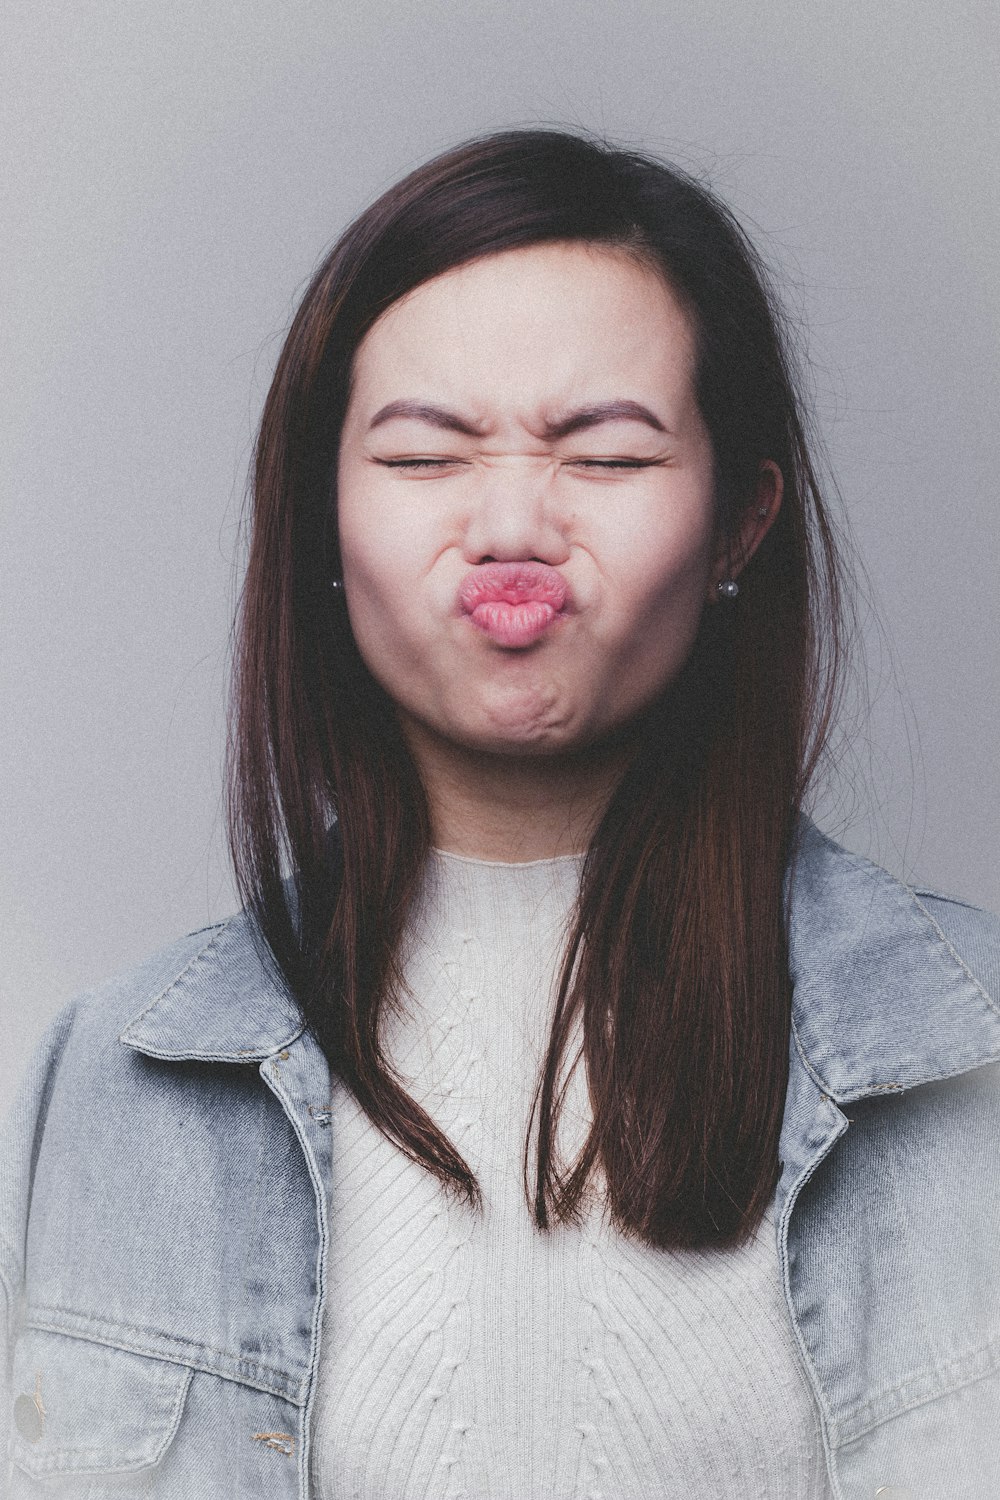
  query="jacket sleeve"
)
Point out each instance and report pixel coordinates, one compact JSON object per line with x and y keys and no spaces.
{"x":20,"y":1137}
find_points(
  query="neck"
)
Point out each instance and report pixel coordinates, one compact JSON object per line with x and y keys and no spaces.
{"x":512,"y":808}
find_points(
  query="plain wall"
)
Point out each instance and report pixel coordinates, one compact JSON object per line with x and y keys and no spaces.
{"x":173,"y":174}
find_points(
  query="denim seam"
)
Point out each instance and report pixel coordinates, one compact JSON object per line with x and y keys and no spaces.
{"x":252,"y":1054}
{"x":957,"y":957}
{"x":946,"y":1387}
{"x":277,"y":1086}
{"x":867,"y":1090}
{"x":247,"y":1055}
{"x":69,"y":1459}
{"x":194,"y":959}
{"x":784,"y":1265}
{"x":817,"y":1078}
{"x":195,"y":1356}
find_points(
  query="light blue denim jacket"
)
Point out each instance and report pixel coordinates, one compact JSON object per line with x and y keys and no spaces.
{"x":163,"y":1212}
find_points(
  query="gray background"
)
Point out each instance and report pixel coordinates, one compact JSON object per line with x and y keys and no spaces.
{"x":174,"y":172}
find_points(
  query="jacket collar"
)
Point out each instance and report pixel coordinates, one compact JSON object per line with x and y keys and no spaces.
{"x":227,"y":1004}
{"x":881,"y":1000}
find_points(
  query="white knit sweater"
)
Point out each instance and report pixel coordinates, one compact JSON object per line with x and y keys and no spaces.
{"x":472,"y":1355}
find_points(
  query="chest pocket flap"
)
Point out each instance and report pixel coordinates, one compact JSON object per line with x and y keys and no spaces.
{"x":80,"y":1407}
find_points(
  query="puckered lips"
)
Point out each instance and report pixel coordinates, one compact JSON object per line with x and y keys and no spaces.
{"x":513,"y":603}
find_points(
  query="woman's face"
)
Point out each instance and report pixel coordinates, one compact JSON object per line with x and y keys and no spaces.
{"x":526,"y":499}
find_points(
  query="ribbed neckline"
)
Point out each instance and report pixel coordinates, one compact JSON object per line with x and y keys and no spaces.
{"x":509,"y":864}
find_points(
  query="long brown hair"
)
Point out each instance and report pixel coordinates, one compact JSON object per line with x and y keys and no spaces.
{"x":676,"y":969}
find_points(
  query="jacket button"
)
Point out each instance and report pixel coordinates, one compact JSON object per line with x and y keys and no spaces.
{"x":892,"y":1492}
{"x":29,"y":1419}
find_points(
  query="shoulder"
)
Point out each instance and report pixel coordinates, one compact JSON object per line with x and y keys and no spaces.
{"x":972,"y":934}
{"x":77,"y":1082}
{"x":892,"y":984}
{"x":95,"y":1017}
{"x":207,"y":996}
{"x":213,"y":994}
{"x":833,"y":889}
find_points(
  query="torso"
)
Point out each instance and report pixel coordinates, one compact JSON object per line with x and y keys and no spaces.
{"x":474,"y":1355}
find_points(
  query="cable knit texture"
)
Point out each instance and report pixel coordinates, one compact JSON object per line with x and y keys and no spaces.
{"x":470,"y":1355}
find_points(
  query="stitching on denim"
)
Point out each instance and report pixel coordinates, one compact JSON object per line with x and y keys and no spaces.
{"x":946,"y":1387}
{"x":218,"y":931}
{"x":784,"y":1266}
{"x":955,"y":955}
{"x":828,"y":1095}
{"x":100,"y":1331}
{"x":914,"y":893}
{"x":866,"y":1089}
{"x":195,"y":1356}
{"x":66,"y":1457}
{"x":249,"y":1054}
{"x":195,"y":958}
{"x":280,"y":1092}
{"x":817,"y":1078}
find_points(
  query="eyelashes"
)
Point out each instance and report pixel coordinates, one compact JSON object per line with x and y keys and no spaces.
{"x":430,"y":464}
{"x":417,"y":463}
{"x":615,"y":463}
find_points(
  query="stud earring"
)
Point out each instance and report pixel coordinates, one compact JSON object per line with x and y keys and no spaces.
{"x":728,"y":588}
{"x":336,"y":583}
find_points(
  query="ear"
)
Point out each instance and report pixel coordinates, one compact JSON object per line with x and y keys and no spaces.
{"x":758,"y":518}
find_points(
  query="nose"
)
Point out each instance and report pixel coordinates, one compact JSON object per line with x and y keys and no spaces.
{"x":514,"y":516}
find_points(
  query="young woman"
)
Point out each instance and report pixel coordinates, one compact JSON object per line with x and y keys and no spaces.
{"x":564,"y":1115}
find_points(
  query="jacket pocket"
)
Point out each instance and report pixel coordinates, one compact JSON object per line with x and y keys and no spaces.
{"x":82,"y":1408}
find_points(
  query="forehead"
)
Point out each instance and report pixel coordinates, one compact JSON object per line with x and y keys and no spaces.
{"x":546,"y":323}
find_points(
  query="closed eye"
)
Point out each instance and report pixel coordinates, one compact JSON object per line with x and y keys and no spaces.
{"x":575,"y":463}
{"x":614,"y":463}
{"x":418,"y":463}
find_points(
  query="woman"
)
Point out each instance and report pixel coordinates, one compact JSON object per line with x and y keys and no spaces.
{"x":564,"y":1115}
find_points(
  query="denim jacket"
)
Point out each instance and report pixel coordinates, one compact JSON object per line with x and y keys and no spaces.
{"x":163,"y":1212}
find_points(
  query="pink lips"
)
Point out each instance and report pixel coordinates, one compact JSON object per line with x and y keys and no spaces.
{"x":513,"y":603}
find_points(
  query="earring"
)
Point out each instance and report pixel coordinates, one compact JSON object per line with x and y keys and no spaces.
{"x":336,"y":583}
{"x":728,"y":588}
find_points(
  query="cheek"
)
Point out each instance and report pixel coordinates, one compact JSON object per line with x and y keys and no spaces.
{"x":387,"y":532}
{"x":656,"y":619}
{"x":374,"y":562}
{"x":383,"y":562}
{"x":379,"y":597}
{"x":663,"y":576}
{"x":375,"y":550}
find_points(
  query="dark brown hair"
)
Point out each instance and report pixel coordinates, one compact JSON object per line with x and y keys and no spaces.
{"x":677,"y":965}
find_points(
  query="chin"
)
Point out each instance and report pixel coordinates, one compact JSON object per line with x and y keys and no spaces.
{"x":519,"y":740}
{"x":531,"y":735}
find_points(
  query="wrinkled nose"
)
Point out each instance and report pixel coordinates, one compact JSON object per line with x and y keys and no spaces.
{"x":514,"y":516}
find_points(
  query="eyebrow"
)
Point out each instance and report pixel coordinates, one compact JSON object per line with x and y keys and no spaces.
{"x":424,"y":411}
{"x":608,"y":411}
{"x":575,"y":421}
